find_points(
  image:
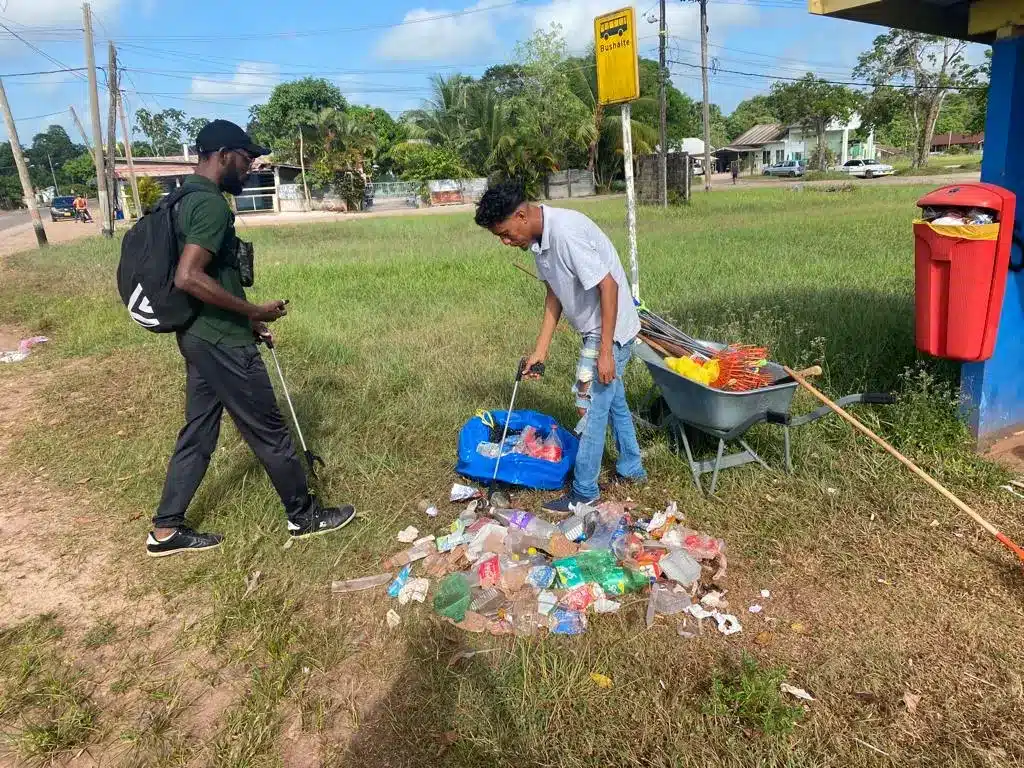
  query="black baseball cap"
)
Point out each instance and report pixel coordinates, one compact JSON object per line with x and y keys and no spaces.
{"x":223,"y":134}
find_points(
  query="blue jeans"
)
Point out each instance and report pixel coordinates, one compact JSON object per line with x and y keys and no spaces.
{"x":603,"y":403}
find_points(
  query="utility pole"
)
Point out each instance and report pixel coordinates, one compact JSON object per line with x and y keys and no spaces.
{"x":662,"y":116}
{"x":19,"y":161}
{"x":113,"y":92}
{"x":704,"y":82}
{"x":128,"y":156}
{"x":302,"y":167}
{"x":81,"y":130}
{"x":53,"y":175}
{"x":97,"y":129}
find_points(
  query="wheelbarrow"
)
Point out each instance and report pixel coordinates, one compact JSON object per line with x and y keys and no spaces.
{"x":694,"y":410}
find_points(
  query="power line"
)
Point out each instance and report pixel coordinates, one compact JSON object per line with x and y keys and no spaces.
{"x":841,"y":82}
{"x":45,"y":72}
{"x":40,"y":51}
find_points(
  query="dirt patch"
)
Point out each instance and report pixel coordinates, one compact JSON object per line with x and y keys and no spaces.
{"x":1009,"y":452}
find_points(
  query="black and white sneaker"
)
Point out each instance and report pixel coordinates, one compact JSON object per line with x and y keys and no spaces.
{"x":184,"y":539}
{"x":322,"y":521}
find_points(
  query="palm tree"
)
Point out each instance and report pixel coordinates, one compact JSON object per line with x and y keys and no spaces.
{"x":606,"y":125}
{"x":441,"y":119}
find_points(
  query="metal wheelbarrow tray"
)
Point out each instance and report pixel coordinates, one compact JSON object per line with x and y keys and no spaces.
{"x":726,"y":416}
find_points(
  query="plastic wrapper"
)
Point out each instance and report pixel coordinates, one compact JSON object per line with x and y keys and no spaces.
{"x":569,"y":574}
{"x":462,"y":492}
{"x":562,"y":621}
{"x":541,"y":576}
{"x":546,"y":602}
{"x":665,"y":601}
{"x":489,"y":572}
{"x":414,"y":589}
{"x":453,"y":596}
{"x":680,"y":566}
{"x":488,"y":601}
{"x":579,"y":599}
{"x":399,"y":582}
{"x":532,"y":444}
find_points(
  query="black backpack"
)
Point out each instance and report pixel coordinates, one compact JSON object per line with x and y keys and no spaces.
{"x":145,"y":274}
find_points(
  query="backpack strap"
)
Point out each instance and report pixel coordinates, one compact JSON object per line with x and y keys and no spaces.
{"x":175,"y":197}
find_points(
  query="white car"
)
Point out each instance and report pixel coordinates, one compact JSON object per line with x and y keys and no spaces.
{"x":865,"y":169}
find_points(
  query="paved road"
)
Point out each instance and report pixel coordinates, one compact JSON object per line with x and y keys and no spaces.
{"x":10,"y":219}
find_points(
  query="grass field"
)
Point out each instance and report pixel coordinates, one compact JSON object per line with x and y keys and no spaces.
{"x":399,"y":330}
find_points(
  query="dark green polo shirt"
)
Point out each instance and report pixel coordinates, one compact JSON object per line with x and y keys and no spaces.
{"x":205,"y":219}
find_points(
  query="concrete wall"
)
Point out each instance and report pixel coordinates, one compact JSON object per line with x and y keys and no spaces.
{"x":575,"y":182}
{"x":647,"y":178}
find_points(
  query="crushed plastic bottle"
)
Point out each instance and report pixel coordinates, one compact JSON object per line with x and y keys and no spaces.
{"x":488,"y":601}
{"x":665,"y":601}
{"x":524,"y":521}
{"x":574,"y":528}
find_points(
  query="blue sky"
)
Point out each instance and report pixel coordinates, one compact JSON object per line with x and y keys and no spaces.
{"x":379,"y":53}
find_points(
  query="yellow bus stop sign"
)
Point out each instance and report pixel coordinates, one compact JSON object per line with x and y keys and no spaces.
{"x":618,"y":72}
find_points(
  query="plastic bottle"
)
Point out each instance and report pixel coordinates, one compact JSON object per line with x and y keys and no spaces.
{"x":516,"y":518}
{"x":357,"y":585}
{"x":453,"y":597}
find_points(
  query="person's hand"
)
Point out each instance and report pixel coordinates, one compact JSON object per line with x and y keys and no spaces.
{"x":262,"y":331}
{"x":605,"y":367}
{"x":269,"y":312}
{"x":531,"y":361}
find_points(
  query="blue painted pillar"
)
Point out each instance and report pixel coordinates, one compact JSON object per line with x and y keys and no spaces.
{"x":992,"y":392}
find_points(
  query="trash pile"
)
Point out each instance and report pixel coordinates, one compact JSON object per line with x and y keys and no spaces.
{"x":958,"y":216}
{"x":506,"y":571}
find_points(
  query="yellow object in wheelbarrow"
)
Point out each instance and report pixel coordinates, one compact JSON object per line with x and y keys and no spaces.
{"x":695,"y":370}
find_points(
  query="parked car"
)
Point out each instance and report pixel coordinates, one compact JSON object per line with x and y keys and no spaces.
{"x":62,"y":208}
{"x":791,"y":168}
{"x":865,"y":169}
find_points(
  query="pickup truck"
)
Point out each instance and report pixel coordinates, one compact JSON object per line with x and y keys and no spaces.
{"x":865,"y":169}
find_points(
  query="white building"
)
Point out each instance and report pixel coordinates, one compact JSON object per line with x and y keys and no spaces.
{"x":774,"y":143}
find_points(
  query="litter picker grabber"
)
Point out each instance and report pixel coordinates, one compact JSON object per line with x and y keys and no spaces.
{"x":311,"y":458}
{"x":501,"y":499}
{"x":856,"y":424}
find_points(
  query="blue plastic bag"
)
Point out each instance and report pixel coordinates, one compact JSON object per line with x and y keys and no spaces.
{"x":516,"y":468}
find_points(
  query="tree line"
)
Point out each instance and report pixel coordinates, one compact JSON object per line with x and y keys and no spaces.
{"x":539,"y":113}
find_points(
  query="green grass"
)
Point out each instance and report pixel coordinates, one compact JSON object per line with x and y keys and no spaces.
{"x":939,"y":165}
{"x":399,"y":330}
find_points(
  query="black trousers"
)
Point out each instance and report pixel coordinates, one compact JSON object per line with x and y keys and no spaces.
{"x":233,"y":378}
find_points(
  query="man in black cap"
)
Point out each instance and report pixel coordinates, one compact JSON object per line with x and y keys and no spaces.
{"x":224,"y":368}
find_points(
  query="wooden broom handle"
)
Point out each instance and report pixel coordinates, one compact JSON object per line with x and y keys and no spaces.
{"x":856,"y":424}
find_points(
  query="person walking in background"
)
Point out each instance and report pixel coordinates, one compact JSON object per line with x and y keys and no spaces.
{"x":82,"y":209}
{"x":224,"y":369}
{"x":585,"y":281}
{"x":735,"y":167}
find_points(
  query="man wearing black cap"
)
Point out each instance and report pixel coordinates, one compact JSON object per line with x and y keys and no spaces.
{"x":224,"y":368}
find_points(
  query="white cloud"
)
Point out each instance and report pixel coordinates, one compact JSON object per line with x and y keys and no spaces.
{"x":576,"y":17}
{"x":49,"y":13}
{"x":437,"y":34}
{"x":252,"y":79}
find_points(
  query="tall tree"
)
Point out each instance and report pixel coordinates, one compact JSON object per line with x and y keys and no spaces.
{"x":814,"y":104}
{"x":165,"y":129}
{"x":927,"y":68}
{"x":504,"y":80}
{"x":52,"y":147}
{"x":386,"y":129}
{"x":979,"y":95}
{"x":756,"y":110}
{"x":275,"y":124}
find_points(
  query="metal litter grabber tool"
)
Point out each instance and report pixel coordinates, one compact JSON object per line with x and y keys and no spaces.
{"x":311,"y":458}
{"x":1002,"y":538}
{"x":501,"y":499}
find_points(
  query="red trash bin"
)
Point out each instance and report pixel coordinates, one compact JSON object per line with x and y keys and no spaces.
{"x":960,"y":271}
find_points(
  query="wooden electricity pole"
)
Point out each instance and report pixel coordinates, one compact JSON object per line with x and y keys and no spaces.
{"x":128,"y":156}
{"x":81,"y":130}
{"x":302,"y":167}
{"x":707,"y":102}
{"x":19,"y":161}
{"x":97,"y":129}
{"x":112,"y":92}
{"x":662,"y":113}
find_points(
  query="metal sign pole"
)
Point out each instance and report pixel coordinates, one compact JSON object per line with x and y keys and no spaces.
{"x":627,"y":160}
